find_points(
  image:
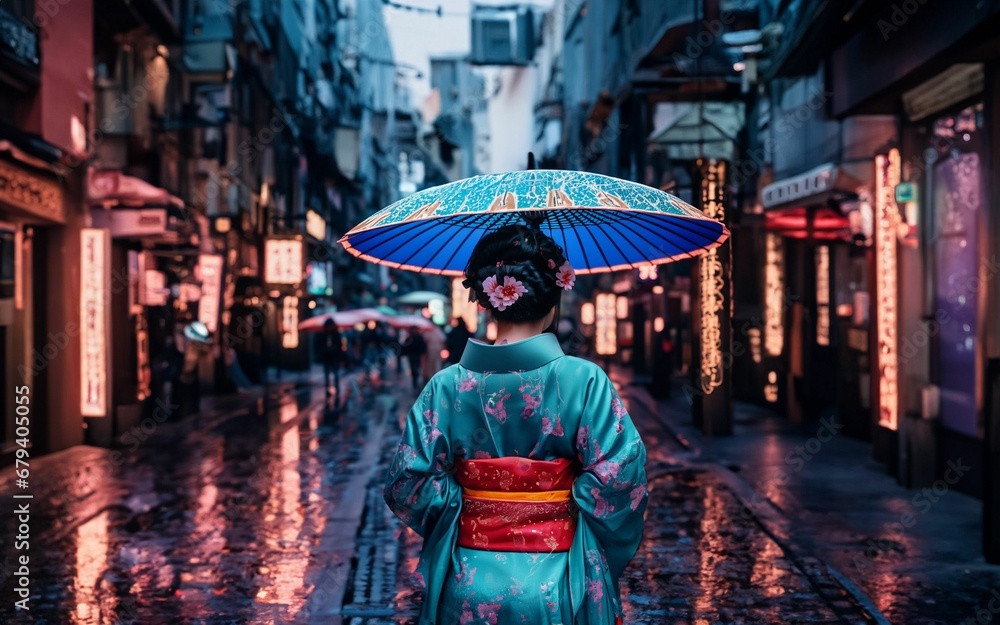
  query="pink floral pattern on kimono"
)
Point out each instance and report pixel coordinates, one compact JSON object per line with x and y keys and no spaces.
{"x":468,"y":383}
{"x":552,"y":428}
{"x":495,"y":406}
{"x":619,"y":411}
{"x":431,"y":431}
{"x":488,"y":611}
{"x":531,"y":395}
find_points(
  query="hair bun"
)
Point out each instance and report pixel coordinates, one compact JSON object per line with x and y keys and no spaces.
{"x":526,"y":255}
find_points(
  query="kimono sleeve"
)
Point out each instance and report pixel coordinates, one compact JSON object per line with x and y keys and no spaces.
{"x":420,"y":487}
{"x":611,"y":490}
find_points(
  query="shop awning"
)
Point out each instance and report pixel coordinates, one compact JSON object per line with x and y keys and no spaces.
{"x":112,"y":189}
{"x":689,"y":131}
{"x":817,"y":185}
{"x":827,"y":224}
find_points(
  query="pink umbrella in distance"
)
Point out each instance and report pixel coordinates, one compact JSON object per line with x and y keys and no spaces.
{"x":343,"y":319}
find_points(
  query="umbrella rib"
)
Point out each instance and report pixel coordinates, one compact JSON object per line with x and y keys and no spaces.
{"x":390,"y":233}
{"x":398,"y":233}
{"x":671,"y":231}
{"x":583,"y":250}
{"x":653,"y":246}
{"x":417,"y":251}
{"x":472,"y":230}
{"x":615,"y":243}
{"x":695,"y":226}
{"x":604,"y":256}
{"x":631,"y":242}
{"x":680,"y":224}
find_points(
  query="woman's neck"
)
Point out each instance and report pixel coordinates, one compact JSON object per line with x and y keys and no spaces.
{"x":512,"y":332}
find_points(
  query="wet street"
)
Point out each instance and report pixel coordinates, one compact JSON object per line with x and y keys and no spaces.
{"x":265,"y":510}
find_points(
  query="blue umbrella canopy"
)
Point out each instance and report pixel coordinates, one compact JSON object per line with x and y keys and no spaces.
{"x":602,"y":223}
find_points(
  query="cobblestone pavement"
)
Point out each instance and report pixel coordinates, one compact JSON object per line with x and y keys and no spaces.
{"x":240,"y":517}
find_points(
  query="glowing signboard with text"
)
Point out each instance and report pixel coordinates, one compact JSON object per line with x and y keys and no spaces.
{"x":887,"y":220}
{"x":93,"y":322}
{"x":774,"y":295}
{"x":290,"y":322}
{"x":712,"y":281}
{"x":210,"y":266}
{"x":823,"y":295}
{"x":606,"y":338}
{"x":284,"y":261}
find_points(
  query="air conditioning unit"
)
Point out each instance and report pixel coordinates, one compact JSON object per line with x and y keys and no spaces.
{"x":502,"y":36}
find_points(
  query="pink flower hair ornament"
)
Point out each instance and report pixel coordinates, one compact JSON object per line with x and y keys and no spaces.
{"x":503,"y":295}
{"x":565,"y":276}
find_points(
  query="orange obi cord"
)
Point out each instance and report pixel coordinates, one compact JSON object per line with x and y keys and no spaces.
{"x":516,"y":504}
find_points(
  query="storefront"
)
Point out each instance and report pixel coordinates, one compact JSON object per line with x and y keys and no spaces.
{"x":941,"y":78}
{"x":135,"y":226}
{"x":32,"y":210}
{"x":813,"y":339}
{"x":943,"y":171}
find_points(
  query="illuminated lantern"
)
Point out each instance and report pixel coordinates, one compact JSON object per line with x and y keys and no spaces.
{"x":607,"y":325}
{"x":621,"y":307}
{"x":774,"y":295}
{"x":284,"y":261}
{"x":823,"y":295}
{"x":290,"y":322}
{"x":771,"y":388}
{"x":210,"y":268}
{"x":587,"y":313}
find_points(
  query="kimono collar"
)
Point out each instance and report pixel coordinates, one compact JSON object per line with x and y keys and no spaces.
{"x":524,"y":355}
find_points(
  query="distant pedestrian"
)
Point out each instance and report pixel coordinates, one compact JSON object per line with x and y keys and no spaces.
{"x":434,"y":339}
{"x":196,"y":342}
{"x":457,"y":340}
{"x":415,"y":350}
{"x":331,"y":354}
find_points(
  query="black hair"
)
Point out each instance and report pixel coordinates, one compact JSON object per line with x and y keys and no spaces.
{"x":527,"y":255}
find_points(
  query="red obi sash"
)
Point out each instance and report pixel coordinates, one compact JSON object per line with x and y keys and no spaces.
{"x":516,"y":504}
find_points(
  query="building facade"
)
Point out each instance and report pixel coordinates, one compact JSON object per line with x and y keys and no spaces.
{"x":157,"y":159}
{"x":856,"y":143}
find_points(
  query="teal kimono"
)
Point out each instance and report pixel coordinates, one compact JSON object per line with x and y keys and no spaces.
{"x":527,"y":400}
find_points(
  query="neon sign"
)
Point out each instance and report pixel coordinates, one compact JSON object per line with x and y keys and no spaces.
{"x":774,"y":295}
{"x":607,"y":325}
{"x":93,"y":322}
{"x":290,"y":322}
{"x":283,"y":261}
{"x":712,"y":283}
{"x":887,"y":220}
{"x":823,"y":295}
{"x":210,"y":268}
